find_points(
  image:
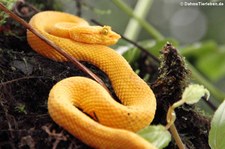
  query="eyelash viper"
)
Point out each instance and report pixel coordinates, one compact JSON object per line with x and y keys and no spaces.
{"x":72,"y":99}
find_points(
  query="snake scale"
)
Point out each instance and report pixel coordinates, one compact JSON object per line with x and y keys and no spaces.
{"x":72,"y":101}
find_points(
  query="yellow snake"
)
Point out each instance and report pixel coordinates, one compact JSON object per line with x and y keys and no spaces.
{"x":74,"y":100}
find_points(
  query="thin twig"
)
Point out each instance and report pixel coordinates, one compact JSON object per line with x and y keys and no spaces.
{"x":134,"y":43}
{"x":19,"y":79}
{"x":52,"y":44}
{"x":210,"y":104}
{"x":53,"y":134}
{"x":78,"y":6}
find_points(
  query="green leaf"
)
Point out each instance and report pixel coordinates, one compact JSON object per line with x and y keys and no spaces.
{"x":213,"y":65}
{"x":193,"y":93}
{"x":152,"y":46}
{"x":199,"y":49}
{"x":131,"y":55}
{"x":158,"y":135}
{"x":217,"y":131}
{"x":208,"y":57}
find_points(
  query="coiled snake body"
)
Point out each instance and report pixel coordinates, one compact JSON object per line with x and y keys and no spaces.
{"x":67,"y":97}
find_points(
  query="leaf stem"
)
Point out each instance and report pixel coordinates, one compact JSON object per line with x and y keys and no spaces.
{"x":148,"y":27}
{"x":178,"y":103}
{"x":176,"y":137}
{"x":141,"y":10}
{"x":171,"y":117}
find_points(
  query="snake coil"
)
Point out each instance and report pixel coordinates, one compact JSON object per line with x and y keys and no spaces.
{"x":67,"y":97}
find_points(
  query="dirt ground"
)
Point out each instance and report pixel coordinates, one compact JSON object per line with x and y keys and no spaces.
{"x":26,"y":79}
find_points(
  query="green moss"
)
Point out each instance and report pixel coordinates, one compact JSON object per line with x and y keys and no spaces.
{"x":21,"y":108}
{"x":9,"y":4}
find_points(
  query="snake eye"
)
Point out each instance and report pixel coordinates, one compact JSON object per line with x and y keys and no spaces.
{"x":105,"y":30}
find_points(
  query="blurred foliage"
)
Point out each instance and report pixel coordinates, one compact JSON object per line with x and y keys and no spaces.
{"x":208,"y":57}
{"x":46,"y":4}
{"x":152,"y":46}
{"x":9,"y":4}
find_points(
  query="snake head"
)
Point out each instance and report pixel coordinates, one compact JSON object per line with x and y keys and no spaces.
{"x":108,"y":36}
{"x":94,"y":35}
